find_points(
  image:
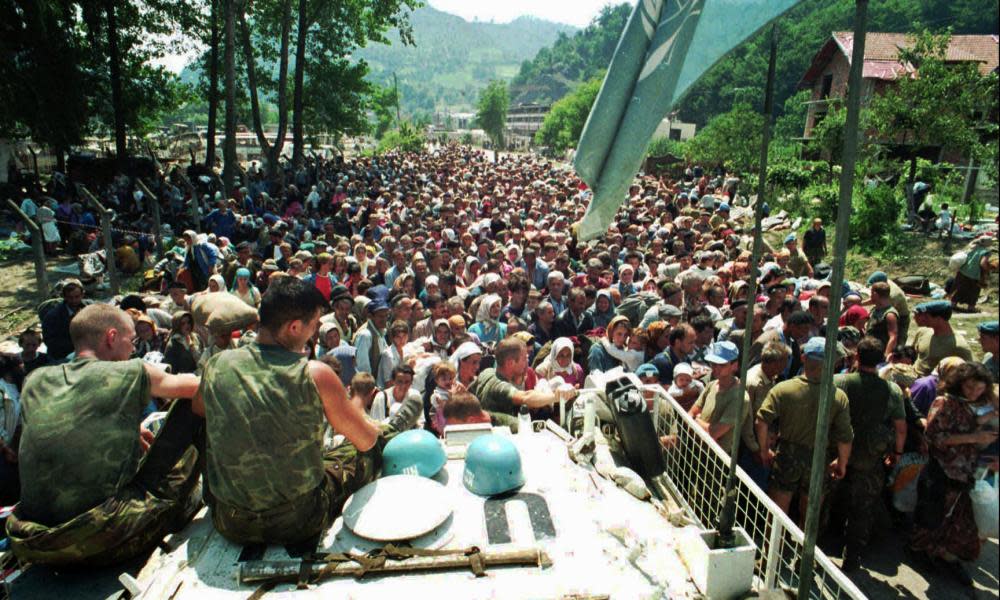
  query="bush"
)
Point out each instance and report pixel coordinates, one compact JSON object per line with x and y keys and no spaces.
{"x":664,"y":146}
{"x":407,"y":138}
{"x":875,"y":217}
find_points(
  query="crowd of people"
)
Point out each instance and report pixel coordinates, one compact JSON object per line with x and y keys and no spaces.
{"x":426,"y":290}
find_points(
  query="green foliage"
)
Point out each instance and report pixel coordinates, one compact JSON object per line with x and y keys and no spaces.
{"x":875,"y":214}
{"x":731,"y":139}
{"x":466,"y":139}
{"x":564,"y":123}
{"x":803,"y":31}
{"x":491,"y":111}
{"x":571,"y":60}
{"x":946,"y":105}
{"x":664,"y":146}
{"x":383,"y":104}
{"x":55,"y":84}
{"x":407,"y":138}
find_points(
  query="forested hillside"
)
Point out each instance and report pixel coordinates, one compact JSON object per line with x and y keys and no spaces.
{"x":454,"y":59}
{"x":739,"y":76}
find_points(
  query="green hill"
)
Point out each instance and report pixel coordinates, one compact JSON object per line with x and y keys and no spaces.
{"x":453,"y":58}
{"x":574,"y":59}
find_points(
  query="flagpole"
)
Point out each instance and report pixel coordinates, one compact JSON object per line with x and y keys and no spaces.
{"x":726,"y":539}
{"x":827,"y":389}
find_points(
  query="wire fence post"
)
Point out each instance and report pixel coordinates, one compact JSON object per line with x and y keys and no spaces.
{"x":109,"y":247}
{"x":827,"y":389}
{"x":154,"y":204}
{"x":37,"y":250}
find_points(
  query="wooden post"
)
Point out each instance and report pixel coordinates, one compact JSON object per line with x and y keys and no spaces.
{"x":38,"y":249}
{"x":109,"y":247}
{"x":193,"y":205}
{"x":154,"y":202}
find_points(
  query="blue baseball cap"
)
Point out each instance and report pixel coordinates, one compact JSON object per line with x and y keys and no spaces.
{"x":791,"y":237}
{"x":722,"y":353}
{"x":723,"y":207}
{"x":647,"y":370}
{"x":815,"y":348}
{"x":376,"y":305}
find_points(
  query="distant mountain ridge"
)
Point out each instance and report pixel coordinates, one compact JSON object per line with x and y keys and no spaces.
{"x":454,"y":59}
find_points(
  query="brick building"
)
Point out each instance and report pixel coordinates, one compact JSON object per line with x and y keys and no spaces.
{"x":828,"y":73}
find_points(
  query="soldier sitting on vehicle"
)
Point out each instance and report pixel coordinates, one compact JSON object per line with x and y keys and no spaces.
{"x":88,"y":493}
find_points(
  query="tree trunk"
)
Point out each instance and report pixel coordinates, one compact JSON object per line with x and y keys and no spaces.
{"x":117,"y":101}
{"x":213,"y":86}
{"x":229,"y":147}
{"x":911,"y":211}
{"x":298,"y":152}
{"x":271,"y":151}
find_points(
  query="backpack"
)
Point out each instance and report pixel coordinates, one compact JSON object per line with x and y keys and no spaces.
{"x":634,"y":307}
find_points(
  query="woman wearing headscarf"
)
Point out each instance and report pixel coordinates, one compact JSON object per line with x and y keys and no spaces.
{"x":147,"y":339}
{"x":488,"y":327}
{"x":183,"y":347}
{"x":656,"y":336}
{"x":958,"y":430}
{"x":974,"y":274}
{"x":244,"y":290}
{"x":466,"y":359}
{"x":47,"y":219}
{"x":603,"y":309}
{"x":559,"y":363}
{"x":612,"y":351}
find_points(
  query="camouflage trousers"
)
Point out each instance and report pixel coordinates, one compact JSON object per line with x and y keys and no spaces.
{"x":306,"y":517}
{"x":120,"y":528}
{"x":857,"y":498}
{"x":161,"y":498}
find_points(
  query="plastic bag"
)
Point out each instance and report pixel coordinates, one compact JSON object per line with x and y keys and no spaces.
{"x":904,"y":481}
{"x":986,"y":509}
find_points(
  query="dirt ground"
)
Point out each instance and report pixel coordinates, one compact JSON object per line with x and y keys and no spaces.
{"x":18,"y":296}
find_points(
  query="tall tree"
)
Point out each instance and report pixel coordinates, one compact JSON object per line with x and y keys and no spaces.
{"x":563,"y":125}
{"x":271,"y":151}
{"x":327,"y":34}
{"x":213,"y":83}
{"x":117,"y":95}
{"x":491,"y":111}
{"x":229,"y":146}
{"x":945,"y":105}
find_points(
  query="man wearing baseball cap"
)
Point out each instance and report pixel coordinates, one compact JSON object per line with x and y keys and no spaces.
{"x":793,"y":404}
{"x":717,"y":408}
{"x":936,"y":339}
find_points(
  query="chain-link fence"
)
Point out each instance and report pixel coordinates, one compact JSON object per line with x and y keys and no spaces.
{"x":697,"y":470}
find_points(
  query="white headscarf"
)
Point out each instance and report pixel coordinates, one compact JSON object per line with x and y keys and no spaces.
{"x":483,"y":314}
{"x":550,"y":366}
{"x":464,"y":351}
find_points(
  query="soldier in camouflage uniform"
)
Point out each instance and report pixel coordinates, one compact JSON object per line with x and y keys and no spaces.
{"x":89,"y":493}
{"x":790,"y":407}
{"x":266,"y":406}
{"x":874,"y":403}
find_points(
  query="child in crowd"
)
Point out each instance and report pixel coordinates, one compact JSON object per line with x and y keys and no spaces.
{"x":444,"y":377}
{"x":685,"y":389}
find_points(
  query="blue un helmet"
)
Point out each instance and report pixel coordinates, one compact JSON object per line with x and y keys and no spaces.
{"x":492,"y":466}
{"x":413,"y":452}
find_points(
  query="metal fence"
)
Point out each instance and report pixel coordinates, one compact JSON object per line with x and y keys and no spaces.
{"x":697,"y":470}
